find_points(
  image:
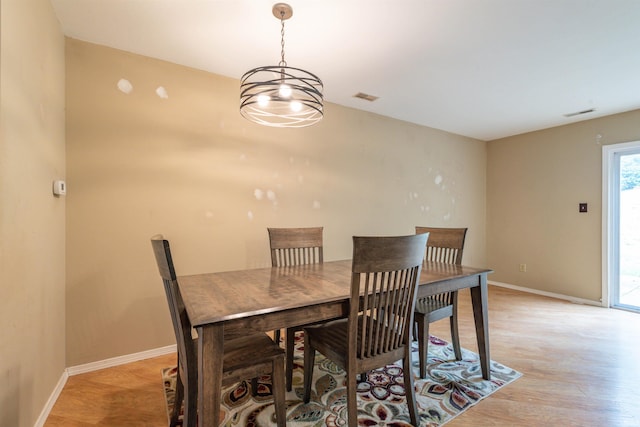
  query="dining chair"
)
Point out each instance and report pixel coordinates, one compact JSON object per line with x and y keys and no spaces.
{"x":247,"y":356}
{"x":290,"y":247}
{"x":377,"y":331}
{"x":444,"y":245}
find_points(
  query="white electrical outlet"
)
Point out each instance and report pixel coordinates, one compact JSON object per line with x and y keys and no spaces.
{"x":523,"y":268}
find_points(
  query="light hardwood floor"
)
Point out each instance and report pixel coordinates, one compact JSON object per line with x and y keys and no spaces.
{"x":580,"y":365}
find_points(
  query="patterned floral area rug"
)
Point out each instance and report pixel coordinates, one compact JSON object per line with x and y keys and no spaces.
{"x":451,"y":387}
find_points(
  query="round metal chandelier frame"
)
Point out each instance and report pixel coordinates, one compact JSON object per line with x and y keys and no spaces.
{"x":279,"y":95}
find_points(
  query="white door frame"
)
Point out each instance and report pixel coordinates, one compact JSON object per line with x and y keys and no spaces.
{"x":610,"y":223}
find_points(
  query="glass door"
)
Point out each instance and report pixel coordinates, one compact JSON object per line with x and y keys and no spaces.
{"x":621,"y":226}
{"x":627,"y":294}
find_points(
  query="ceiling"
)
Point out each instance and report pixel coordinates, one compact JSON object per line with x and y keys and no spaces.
{"x":485,"y":69}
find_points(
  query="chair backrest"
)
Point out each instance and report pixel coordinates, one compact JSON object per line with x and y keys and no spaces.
{"x":179,"y":318}
{"x":385,"y":272}
{"x":295,"y":246}
{"x":445,"y":244}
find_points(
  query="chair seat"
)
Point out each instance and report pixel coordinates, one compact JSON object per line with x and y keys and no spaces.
{"x":428,"y":305}
{"x":249,"y":351}
{"x":331,"y":339}
{"x":241,"y":349}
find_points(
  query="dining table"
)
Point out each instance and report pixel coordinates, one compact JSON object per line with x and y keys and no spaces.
{"x":267,"y":299}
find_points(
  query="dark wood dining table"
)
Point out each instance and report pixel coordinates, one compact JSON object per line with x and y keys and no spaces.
{"x":266,"y":299}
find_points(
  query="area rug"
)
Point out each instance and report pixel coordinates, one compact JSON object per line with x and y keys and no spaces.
{"x":451,"y":387}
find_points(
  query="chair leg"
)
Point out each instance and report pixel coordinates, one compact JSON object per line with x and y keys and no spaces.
{"x":276,"y":336}
{"x":352,"y":398}
{"x":409,"y":388}
{"x":254,"y":386}
{"x":290,"y":335}
{"x":309,"y":360}
{"x":177,"y":401}
{"x":455,"y":336}
{"x":423,"y":344}
{"x":190,"y":403}
{"x":277,"y":379}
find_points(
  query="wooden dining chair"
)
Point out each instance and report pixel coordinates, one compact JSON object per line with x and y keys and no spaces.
{"x":247,"y":356}
{"x":377,"y":331}
{"x":290,"y":247}
{"x":444,"y":245}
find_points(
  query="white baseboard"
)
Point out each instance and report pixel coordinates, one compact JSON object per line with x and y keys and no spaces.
{"x":547,"y":294}
{"x":120,"y":360}
{"x":52,"y":400}
{"x":94,"y":366}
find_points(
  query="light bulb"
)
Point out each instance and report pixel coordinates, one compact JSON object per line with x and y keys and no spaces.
{"x":263,"y":100}
{"x":285,"y":91}
{"x":295,"y":106}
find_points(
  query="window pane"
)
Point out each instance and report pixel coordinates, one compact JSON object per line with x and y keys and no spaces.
{"x":629,"y":294}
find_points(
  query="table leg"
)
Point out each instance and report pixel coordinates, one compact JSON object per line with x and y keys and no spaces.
{"x":210,"y":355}
{"x":479,"y":301}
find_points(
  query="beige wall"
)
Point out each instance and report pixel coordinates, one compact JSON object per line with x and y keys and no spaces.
{"x":535,"y":182}
{"x":32,"y":224}
{"x":191,"y":167}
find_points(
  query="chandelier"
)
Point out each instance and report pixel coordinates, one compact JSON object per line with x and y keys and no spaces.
{"x":281,"y":96}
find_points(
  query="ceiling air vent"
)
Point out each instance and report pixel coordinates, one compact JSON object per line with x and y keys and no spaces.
{"x":577,"y":113}
{"x":365,"y":96}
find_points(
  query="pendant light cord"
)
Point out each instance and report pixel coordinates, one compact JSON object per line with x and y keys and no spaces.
{"x":282,"y":63}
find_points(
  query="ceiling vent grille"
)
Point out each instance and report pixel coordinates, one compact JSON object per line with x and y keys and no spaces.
{"x":577,"y":113}
{"x":365,"y":96}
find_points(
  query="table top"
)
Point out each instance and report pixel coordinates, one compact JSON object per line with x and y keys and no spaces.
{"x":222,"y":296}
